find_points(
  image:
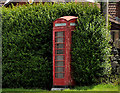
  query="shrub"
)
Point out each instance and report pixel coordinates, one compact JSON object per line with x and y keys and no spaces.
{"x":27,"y":47}
{"x":27,"y":43}
{"x":90,"y":50}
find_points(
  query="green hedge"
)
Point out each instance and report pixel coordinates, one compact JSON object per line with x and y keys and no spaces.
{"x":90,"y":50}
{"x":27,"y":47}
{"x":27,"y":41}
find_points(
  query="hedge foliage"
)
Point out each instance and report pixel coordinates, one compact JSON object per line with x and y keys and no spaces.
{"x":27,"y":43}
{"x":90,"y":50}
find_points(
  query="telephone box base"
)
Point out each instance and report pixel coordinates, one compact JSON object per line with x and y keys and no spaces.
{"x":54,"y":89}
{"x":61,"y":87}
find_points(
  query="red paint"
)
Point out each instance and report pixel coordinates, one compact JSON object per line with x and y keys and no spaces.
{"x":66,"y":33}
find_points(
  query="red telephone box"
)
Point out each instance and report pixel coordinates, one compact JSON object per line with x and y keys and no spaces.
{"x":62,"y":36}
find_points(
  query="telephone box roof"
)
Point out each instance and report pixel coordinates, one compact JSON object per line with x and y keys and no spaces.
{"x":68,"y":17}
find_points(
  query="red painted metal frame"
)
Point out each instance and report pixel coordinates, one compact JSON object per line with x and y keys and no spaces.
{"x":67,"y":80}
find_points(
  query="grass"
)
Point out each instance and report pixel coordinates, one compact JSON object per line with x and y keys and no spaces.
{"x":79,"y":89}
{"x":22,"y":90}
{"x":100,"y":87}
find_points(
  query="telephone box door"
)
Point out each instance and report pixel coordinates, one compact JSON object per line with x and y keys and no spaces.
{"x":59,"y":57}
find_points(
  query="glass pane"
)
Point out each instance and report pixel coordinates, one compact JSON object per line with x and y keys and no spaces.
{"x":59,"y":34}
{"x":61,"y":51}
{"x":59,"y":40}
{"x":59,"y":46}
{"x":59,"y":69}
{"x":59,"y":75}
{"x":59,"y":57}
{"x":59,"y":63}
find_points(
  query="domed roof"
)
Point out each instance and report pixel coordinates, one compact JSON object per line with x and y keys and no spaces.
{"x":68,"y":17}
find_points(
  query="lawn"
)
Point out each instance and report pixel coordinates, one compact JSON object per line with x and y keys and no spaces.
{"x":101,"y":88}
{"x":22,"y":90}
